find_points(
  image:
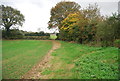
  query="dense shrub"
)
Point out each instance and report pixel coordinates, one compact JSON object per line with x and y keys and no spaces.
{"x":73,"y":28}
{"x":108,"y":30}
{"x":18,"y":34}
{"x":37,"y":37}
{"x":80,"y":26}
{"x":41,"y":33}
{"x":14,"y":34}
{"x":117,"y":43}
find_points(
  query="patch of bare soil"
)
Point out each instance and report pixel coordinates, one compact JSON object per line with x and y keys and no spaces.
{"x":35,"y":72}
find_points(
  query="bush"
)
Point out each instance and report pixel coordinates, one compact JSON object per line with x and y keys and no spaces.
{"x":16,"y":37}
{"x":37,"y":37}
{"x":108,"y":30}
{"x":37,"y":34}
{"x":117,"y":43}
{"x":14,"y":34}
{"x":106,"y":43}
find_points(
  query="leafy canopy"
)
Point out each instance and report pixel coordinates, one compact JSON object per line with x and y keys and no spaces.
{"x":61,"y":11}
{"x":11,"y":17}
{"x":73,"y":27}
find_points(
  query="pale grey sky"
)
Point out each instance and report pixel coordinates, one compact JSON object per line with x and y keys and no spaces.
{"x":37,"y":12}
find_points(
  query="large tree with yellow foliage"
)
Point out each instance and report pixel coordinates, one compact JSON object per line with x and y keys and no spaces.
{"x":74,"y":27}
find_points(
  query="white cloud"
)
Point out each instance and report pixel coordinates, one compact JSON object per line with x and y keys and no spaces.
{"x":35,"y":16}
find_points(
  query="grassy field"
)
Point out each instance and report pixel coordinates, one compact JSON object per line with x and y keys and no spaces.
{"x":0,"y":60}
{"x":75,"y":61}
{"x":70,"y":61}
{"x":53,"y":37}
{"x":20,"y":56}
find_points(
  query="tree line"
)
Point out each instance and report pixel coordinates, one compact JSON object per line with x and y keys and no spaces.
{"x":20,"y":34}
{"x":74,"y":24}
{"x":11,"y":20}
{"x":84,"y":25}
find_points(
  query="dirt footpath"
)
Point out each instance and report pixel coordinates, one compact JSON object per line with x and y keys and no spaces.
{"x":35,"y":72}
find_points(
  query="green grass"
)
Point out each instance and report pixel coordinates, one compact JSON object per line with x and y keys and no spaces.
{"x":53,"y":37}
{"x":75,"y":61}
{"x":0,"y":60}
{"x":71,"y":61}
{"x":21,"y":55}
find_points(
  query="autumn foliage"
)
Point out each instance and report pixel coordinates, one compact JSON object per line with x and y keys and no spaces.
{"x":73,"y":27}
{"x":84,"y":25}
{"x":80,"y":26}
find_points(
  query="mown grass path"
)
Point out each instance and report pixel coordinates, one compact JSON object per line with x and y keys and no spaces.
{"x":35,"y":72}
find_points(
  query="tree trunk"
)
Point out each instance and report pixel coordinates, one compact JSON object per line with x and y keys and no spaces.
{"x":7,"y":32}
{"x":80,"y":40}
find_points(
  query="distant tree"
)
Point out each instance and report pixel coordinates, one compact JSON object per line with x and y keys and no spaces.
{"x":42,"y":33}
{"x":61,"y":11}
{"x":11,"y":17}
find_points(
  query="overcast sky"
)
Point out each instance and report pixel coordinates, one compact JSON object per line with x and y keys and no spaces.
{"x":37,"y":12}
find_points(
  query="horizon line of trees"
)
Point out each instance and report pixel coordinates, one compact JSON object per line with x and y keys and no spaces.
{"x":84,"y":25}
{"x":11,"y":20}
{"x":20,"y":34}
{"x":74,"y":24}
